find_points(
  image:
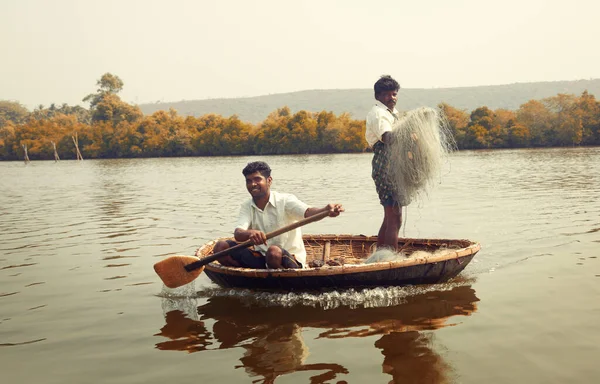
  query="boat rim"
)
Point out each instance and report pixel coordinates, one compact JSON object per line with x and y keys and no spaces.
{"x":452,"y":254}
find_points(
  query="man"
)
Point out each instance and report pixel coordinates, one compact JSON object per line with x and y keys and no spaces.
{"x":378,"y":134}
{"x":266,"y":212}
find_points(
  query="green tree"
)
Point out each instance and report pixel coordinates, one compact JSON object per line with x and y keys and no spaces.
{"x":480,"y":131}
{"x":272,"y":136}
{"x":7,"y":141}
{"x":457,"y":120}
{"x":327,"y":136}
{"x":518,"y":135}
{"x":108,"y":84}
{"x":588,"y":110}
{"x":13,"y":112}
{"x":566,"y":126}
{"x":476,"y":137}
{"x":483,"y":116}
{"x":350,"y":134}
{"x":107,"y":106}
{"x":82,"y":114}
{"x":538,"y":119}
{"x":111,"y":109}
{"x":302,"y":133}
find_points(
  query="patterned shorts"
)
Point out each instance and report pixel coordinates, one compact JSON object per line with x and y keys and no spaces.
{"x":383,"y":185}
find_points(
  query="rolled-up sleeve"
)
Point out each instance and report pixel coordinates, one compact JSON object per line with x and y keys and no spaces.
{"x":379,"y":121}
{"x":295,"y":208}
{"x":383,"y":124}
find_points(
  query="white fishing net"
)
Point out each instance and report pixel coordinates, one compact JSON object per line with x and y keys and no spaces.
{"x":421,"y":141}
{"x":386,"y":254}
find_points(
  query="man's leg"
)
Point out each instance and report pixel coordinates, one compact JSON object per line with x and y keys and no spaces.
{"x":278,"y":258}
{"x":388,"y":233}
{"x":226,"y":260}
{"x":382,"y":232}
{"x":241,"y":257}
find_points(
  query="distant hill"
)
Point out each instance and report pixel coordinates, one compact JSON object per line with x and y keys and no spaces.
{"x":358,"y":101}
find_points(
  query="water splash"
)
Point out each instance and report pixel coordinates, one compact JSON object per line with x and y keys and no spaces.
{"x":181,"y":299}
{"x":186,"y":305}
{"x":185,"y":291}
{"x":351,"y":298}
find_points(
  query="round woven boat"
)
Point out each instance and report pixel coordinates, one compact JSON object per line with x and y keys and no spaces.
{"x":338,"y":261}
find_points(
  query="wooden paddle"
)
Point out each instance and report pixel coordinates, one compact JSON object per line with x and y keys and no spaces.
{"x":176,"y":271}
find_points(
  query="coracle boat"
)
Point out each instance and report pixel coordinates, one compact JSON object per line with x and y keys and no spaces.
{"x":338,"y":261}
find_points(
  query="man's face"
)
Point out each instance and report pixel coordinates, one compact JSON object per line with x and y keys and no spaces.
{"x":388,"y":98}
{"x":258,"y":185}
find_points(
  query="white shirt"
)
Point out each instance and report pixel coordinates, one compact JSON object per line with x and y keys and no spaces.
{"x":281,"y":210}
{"x":379,"y":121}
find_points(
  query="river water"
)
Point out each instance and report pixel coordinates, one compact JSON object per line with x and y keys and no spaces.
{"x":80,"y":303}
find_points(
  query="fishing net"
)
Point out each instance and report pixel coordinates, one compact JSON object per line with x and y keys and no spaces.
{"x":421,"y":140}
{"x":386,"y":254}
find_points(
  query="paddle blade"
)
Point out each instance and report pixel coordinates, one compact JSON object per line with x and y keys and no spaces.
{"x":172,"y":271}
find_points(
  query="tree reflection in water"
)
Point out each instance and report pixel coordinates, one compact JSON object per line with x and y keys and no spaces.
{"x":272,"y":336}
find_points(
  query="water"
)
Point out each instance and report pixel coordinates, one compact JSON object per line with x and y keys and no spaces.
{"x":79,"y":300}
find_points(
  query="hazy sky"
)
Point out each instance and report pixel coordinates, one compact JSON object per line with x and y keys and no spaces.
{"x":56,"y":50}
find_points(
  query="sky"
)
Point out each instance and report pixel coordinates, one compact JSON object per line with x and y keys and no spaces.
{"x":55,"y":51}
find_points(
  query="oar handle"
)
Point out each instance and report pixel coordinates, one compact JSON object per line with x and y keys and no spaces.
{"x":205,"y":260}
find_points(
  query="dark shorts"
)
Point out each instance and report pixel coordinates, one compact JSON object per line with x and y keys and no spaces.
{"x":383,"y":185}
{"x":249,"y":258}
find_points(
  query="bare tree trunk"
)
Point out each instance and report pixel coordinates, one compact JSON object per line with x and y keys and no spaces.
{"x":26,"y":155}
{"x":56,"y":158}
{"x":76,"y":142}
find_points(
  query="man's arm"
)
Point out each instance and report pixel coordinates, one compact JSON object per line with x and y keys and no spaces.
{"x":383,"y":126}
{"x":257,"y":237}
{"x":242,"y":230}
{"x":333,"y":209}
{"x":387,"y":137}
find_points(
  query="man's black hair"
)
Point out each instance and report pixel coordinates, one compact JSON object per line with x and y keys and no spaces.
{"x":257,"y":166}
{"x":385,"y":83}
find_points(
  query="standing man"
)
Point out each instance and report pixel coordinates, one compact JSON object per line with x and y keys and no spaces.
{"x":265,"y":212}
{"x":378,"y":134}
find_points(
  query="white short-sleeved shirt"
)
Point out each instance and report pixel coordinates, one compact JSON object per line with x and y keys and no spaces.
{"x":281,"y":210}
{"x":379,"y":121}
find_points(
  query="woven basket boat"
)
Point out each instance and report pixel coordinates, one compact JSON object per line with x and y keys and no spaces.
{"x":337,"y":261}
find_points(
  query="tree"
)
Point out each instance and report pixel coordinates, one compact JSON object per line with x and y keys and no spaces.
{"x":480,"y":130}
{"x":476,"y":137}
{"x":518,"y":135}
{"x":7,"y":141}
{"x":13,"y":112}
{"x":566,"y":125}
{"x":457,"y":120}
{"x":348,"y":135}
{"x":537,"y":118}
{"x":82,"y":114}
{"x":302,"y":133}
{"x":108,"y":84}
{"x":106,"y":106}
{"x":326,"y":135}
{"x":588,"y":110}
{"x":272,"y":136}
{"x":111,"y":109}
{"x":484,"y":117}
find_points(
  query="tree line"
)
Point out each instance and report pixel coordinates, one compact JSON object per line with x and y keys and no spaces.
{"x":112,"y":128}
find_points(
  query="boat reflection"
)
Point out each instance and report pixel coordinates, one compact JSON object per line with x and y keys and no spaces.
{"x":273,"y":339}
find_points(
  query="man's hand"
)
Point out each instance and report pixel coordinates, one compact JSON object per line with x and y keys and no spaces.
{"x":257,"y":237}
{"x":334,"y":209}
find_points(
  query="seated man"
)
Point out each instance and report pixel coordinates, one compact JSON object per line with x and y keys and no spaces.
{"x":266,"y":212}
